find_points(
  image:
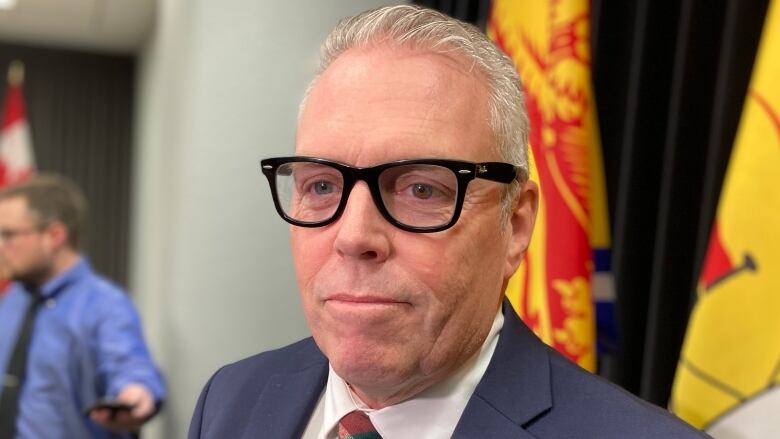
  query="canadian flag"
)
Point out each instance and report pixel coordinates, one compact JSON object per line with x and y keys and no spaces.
{"x":16,"y":154}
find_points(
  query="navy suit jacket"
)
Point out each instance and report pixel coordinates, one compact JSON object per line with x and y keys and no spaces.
{"x":528,"y":391}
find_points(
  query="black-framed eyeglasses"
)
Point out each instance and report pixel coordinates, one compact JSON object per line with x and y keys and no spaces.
{"x":7,"y":235}
{"x":421,"y":195}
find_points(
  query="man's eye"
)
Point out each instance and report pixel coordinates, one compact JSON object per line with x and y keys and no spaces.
{"x":422,"y":191}
{"x":323,"y":187}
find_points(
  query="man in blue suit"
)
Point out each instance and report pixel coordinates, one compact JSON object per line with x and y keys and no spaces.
{"x":411,"y":207}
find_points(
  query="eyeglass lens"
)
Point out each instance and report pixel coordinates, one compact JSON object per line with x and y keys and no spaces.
{"x":417,"y":195}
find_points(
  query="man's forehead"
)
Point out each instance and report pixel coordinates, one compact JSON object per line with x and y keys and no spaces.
{"x":14,"y":202}
{"x":14,"y":209}
{"x":391,"y":97}
{"x":430,"y":69}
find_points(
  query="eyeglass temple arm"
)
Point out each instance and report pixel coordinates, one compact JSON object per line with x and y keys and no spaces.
{"x":500,"y":172}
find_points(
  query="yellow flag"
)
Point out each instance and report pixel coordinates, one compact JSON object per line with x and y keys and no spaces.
{"x":729,"y":371}
{"x":549,"y":40}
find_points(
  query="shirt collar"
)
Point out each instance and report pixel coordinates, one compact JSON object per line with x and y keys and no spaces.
{"x":54,"y":285}
{"x":433,"y":413}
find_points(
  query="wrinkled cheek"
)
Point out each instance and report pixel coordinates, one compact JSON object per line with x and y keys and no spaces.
{"x":431,"y":267}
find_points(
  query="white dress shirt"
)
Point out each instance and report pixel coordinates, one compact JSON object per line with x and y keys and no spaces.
{"x":433,"y":413}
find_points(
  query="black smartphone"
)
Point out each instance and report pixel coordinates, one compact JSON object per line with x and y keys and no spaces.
{"x":113,"y":406}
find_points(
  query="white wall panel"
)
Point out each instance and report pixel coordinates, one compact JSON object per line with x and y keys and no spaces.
{"x":219,"y":85}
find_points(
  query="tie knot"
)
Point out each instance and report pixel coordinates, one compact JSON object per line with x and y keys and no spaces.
{"x":36,"y":297}
{"x":34,"y":292}
{"x":357,"y":425}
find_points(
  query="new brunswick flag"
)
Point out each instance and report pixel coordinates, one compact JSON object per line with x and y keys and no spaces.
{"x":729,"y":371}
{"x":551,"y":291}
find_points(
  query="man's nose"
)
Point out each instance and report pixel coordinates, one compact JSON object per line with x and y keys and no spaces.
{"x":363,"y":232}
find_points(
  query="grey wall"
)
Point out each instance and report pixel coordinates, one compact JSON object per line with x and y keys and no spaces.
{"x":211,"y":271}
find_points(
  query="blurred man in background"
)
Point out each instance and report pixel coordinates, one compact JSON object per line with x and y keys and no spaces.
{"x":72,"y":354}
{"x":411,"y":208}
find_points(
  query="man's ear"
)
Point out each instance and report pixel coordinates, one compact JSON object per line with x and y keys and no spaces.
{"x":521,"y":223}
{"x":56,"y":235}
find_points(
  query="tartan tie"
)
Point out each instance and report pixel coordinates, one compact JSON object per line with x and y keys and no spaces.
{"x":357,"y":425}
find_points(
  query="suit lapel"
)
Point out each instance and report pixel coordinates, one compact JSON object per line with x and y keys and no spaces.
{"x":480,"y":419}
{"x":515,"y":389}
{"x":286,"y":403}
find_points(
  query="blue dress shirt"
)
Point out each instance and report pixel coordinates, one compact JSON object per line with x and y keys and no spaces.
{"x":86,"y":345}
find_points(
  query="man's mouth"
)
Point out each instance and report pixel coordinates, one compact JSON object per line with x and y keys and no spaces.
{"x":363,"y":299}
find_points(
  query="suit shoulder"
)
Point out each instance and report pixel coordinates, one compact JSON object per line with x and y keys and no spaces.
{"x":225,"y":404}
{"x":587,"y":404}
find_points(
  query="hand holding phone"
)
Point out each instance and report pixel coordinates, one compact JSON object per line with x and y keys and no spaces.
{"x":112,"y":406}
{"x":133,"y":406}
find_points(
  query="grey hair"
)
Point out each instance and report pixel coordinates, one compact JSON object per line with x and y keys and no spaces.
{"x":421,"y":28}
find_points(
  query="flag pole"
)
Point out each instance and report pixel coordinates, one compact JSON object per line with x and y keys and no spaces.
{"x":15,"y":73}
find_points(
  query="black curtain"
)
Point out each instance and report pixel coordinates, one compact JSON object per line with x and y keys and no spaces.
{"x":79,"y":108}
{"x":669,"y":79}
{"x":470,"y":11}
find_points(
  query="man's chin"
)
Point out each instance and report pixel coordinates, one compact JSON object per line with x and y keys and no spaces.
{"x":370,"y":364}
{"x":376,"y":386}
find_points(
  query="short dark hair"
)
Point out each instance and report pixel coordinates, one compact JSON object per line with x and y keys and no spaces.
{"x":54,"y":198}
